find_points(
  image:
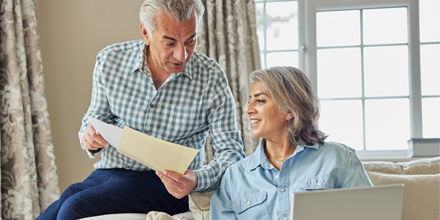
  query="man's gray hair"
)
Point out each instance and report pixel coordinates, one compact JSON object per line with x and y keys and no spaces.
{"x":181,"y":10}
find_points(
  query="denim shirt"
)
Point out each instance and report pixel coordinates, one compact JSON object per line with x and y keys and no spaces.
{"x":254,"y":189}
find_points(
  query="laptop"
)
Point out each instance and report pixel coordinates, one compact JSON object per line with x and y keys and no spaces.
{"x":383,"y":202}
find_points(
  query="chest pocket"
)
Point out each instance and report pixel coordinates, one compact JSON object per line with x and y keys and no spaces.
{"x":251,"y":207}
{"x":317,"y":183}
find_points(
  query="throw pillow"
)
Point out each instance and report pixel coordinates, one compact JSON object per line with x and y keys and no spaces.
{"x":420,"y":197}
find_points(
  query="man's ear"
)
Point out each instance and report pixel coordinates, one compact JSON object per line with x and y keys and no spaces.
{"x":145,"y":35}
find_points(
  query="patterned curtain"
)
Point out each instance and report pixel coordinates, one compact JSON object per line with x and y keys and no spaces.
{"x":29,"y":182}
{"x":228,"y":34}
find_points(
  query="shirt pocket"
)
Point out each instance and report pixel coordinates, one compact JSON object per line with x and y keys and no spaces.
{"x":251,"y":207}
{"x":317,"y":183}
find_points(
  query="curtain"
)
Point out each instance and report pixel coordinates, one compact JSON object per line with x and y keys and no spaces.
{"x":29,"y":182}
{"x":228,"y":34}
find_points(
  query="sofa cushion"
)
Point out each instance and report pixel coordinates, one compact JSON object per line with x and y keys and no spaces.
{"x":420,"y":197}
{"x":119,"y":216}
{"x":199,"y":204}
{"x":154,"y":215}
{"x":420,"y":166}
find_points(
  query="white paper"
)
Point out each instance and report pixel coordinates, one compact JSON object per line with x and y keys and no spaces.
{"x":112,"y":134}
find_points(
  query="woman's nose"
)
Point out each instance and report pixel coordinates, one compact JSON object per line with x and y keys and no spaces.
{"x":248,"y":108}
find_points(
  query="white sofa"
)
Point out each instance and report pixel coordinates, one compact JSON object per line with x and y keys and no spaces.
{"x":421,"y":199}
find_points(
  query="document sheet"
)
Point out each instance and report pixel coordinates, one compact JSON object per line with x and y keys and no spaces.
{"x":150,"y":151}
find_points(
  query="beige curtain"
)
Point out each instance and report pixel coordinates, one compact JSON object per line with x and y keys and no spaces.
{"x":228,"y":34}
{"x":29,"y":182}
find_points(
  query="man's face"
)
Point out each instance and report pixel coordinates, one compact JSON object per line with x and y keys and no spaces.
{"x":172,"y":43}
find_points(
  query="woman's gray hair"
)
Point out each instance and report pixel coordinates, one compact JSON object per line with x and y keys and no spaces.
{"x":181,"y":10}
{"x":292,"y":91}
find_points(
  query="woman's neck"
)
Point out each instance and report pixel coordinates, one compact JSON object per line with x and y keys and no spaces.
{"x":278,"y":152}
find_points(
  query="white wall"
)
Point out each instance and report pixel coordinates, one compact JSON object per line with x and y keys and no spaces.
{"x":71,"y":35}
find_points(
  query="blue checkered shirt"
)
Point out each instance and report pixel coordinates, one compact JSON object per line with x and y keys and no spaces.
{"x":184,"y":110}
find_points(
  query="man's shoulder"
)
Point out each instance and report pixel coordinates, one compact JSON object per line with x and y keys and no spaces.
{"x":123,"y":47}
{"x":206,"y":62}
{"x":205,"y":67}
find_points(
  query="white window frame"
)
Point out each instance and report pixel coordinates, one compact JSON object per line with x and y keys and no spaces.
{"x":307,"y":10}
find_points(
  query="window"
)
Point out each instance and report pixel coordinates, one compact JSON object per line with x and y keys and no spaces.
{"x":373,"y":63}
{"x":277,"y":31}
{"x":430,"y":66}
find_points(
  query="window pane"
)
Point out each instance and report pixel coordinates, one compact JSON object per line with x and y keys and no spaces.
{"x":431,"y":117}
{"x":338,"y":28}
{"x":387,"y":124}
{"x":263,"y":59}
{"x":339,"y":73}
{"x":282,"y":25}
{"x":342,"y":121}
{"x":282,"y":59}
{"x":429,"y":20}
{"x":259,"y":11}
{"x":386,"y":71}
{"x":383,"y":26}
{"x":430,"y":67}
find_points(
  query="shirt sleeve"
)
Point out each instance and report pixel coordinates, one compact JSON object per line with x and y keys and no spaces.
{"x":225,"y":138}
{"x":221,"y":204}
{"x":99,"y":107}
{"x":354,"y":173}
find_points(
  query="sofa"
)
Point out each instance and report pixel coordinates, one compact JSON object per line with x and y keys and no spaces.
{"x":421,"y":199}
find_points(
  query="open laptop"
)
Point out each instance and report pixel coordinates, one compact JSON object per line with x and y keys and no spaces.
{"x":382,"y":202}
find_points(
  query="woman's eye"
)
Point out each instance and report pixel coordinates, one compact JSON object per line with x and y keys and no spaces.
{"x":260,"y":100}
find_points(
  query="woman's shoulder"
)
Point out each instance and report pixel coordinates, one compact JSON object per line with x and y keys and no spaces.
{"x":241,"y":167}
{"x":330,"y":145}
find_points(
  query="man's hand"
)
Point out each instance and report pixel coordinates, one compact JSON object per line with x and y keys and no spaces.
{"x":179,"y":185}
{"x":92,"y":140}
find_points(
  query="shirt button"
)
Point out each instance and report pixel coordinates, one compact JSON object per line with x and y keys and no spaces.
{"x":318,"y":183}
{"x":151,"y":106}
{"x":282,"y":190}
{"x":128,"y":167}
{"x":146,"y":132}
{"x":248,"y":203}
{"x":285,"y":218}
{"x":276,"y":176}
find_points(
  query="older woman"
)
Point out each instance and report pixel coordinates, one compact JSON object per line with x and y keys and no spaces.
{"x":292,"y":155}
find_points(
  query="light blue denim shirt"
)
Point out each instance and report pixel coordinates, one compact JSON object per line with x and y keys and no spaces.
{"x":253,"y":189}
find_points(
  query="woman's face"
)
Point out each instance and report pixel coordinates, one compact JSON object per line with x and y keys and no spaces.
{"x":267,"y":120}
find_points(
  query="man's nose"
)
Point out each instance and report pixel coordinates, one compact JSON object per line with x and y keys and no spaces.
{"x":180,"y":53}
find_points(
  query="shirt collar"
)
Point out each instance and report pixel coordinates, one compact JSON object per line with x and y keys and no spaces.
{"x":137,"y":67}
{"x":142,"y":63}
{"x":259,"y":157}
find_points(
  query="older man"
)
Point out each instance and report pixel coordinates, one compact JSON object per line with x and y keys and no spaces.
{"x":163,"y":87}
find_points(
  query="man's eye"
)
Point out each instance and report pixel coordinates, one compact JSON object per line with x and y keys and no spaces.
{"x":190,"y":42}
{"x":169,"y":44}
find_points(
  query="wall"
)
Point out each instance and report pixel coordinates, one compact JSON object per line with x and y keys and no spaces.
{"x":71,"y":35}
